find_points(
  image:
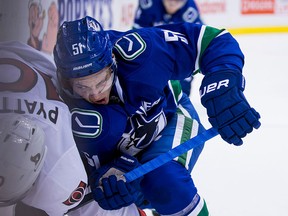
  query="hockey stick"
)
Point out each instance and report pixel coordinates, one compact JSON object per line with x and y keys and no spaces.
{"x":160,"y":160}
{"x":170,"y":155}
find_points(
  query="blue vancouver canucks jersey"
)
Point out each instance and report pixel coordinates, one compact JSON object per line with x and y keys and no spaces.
{"x":153,"y":13}
{"x":147,"y":59}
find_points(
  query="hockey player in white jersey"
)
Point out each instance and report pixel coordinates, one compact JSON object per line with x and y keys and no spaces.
{"x":27,"y":89}
{"x":54,"y":179}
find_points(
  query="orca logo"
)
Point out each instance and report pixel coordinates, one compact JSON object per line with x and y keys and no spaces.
{"x":140,"y":132}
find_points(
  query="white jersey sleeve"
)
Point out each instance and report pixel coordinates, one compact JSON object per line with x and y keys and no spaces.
{"x":28,"y":87}
{"x":92,"y":208}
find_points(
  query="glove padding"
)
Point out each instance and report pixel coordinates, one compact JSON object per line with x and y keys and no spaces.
{"x":109,"y":186}
{"x":227,"y":108}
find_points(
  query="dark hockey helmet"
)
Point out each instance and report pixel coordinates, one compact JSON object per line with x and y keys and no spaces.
{"x":82,"y":48}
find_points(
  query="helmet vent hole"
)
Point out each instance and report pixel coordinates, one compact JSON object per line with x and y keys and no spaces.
{"x":16,"y":122}
{"x":6,"y":138}
{"x":33,"y":131}
{"x":26,"y":146}
{"x":2,"y":179}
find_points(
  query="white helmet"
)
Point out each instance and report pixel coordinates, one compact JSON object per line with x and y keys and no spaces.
{"x":22,"y":155}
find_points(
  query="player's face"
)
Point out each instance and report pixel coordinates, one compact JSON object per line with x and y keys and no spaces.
{"x":172,"y":6}
{"x":96,"y":87}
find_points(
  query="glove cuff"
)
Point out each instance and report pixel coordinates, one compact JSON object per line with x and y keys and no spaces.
{"x":217,"y":83}
{"x":126,"y":163}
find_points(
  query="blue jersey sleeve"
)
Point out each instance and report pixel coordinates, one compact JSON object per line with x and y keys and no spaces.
{"x":208,"y":49}
{"x":222,"y":54}
{"x":169,"y":52}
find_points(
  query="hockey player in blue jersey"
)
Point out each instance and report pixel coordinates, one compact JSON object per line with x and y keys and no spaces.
{"x":158,"y":12}
{"x":126,"y":111}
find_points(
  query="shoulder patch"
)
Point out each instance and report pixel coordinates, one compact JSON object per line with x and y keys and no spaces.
{"x":145,"y":4}
{"x":190,"y":15}
{"x":86,"y":123}
{"x":130,"y":46}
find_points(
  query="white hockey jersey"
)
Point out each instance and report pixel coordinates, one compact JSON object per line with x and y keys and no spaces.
{"x":27,"y":86}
